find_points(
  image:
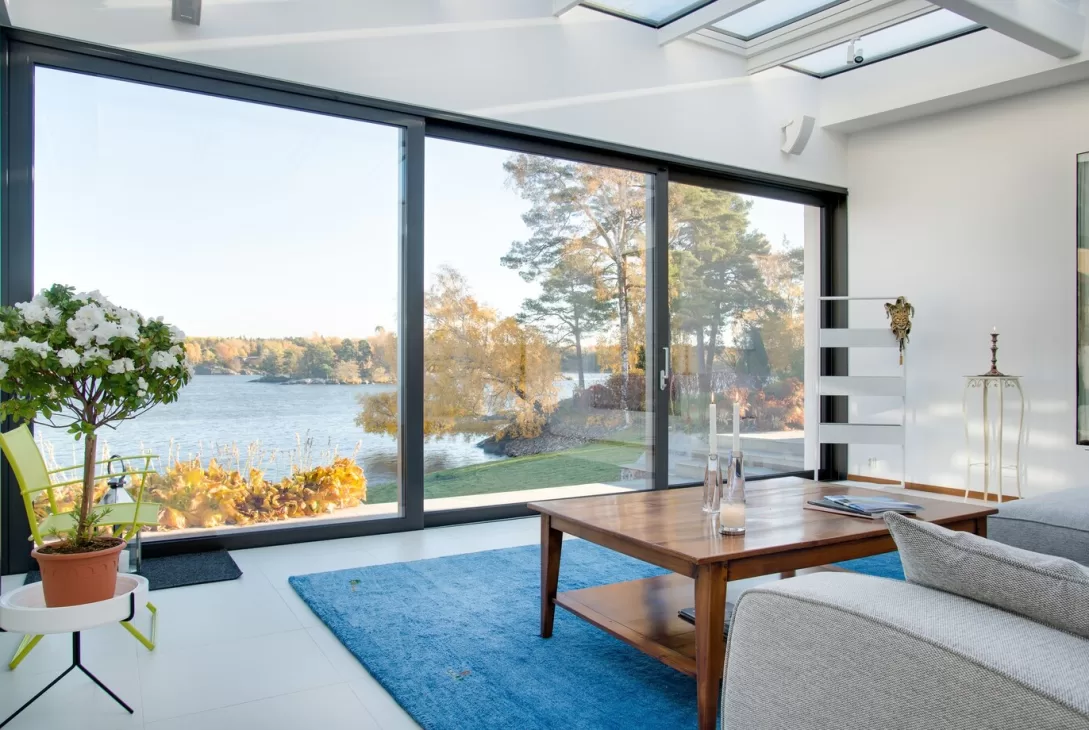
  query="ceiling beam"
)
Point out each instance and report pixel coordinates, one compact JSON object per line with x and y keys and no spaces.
{"x":830,"y":29}
{"x":1045,"y":25}
{"x":701,"y":18}
{"x":559,"y":7}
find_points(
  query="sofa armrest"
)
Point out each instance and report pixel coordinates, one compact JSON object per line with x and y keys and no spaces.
{"x":852,"y":652}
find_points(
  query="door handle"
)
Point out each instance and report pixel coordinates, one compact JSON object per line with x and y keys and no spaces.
{"x":663,"y":375}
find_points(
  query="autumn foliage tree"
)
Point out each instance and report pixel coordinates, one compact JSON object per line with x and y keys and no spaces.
{"x":476,"y":364}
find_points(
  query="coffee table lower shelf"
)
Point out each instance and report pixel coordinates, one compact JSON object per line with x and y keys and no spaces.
{"x":643,"y":613}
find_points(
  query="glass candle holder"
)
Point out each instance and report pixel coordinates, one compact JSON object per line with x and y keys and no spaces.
{"x":731,"y":513}
{"x":712,"y":484}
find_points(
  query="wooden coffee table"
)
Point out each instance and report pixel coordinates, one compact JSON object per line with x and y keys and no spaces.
{"x":667,"y":528}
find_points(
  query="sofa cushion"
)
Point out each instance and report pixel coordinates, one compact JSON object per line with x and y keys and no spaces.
{"x":1045,"y":588}
{"x":1056,"y":523}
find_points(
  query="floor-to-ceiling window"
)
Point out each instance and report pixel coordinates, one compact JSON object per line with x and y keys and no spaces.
{"x":535,"y":328}
{"x":271,"y":236}
{"x":736,"y":295}
{"x":359,"y":355}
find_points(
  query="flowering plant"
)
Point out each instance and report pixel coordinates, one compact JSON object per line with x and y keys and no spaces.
{"x":79,"y":361}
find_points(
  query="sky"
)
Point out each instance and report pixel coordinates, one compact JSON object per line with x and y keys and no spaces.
{"x":229,"y":218}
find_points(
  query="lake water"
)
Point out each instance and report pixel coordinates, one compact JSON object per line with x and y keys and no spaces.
{"x":236,"y":419}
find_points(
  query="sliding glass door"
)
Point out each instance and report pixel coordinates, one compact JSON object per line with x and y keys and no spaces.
{"x":535,"y":327}
{"x":736,"y":315}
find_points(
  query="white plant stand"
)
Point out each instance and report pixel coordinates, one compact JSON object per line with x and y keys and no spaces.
{"x":994,"y":431}
{"x":24,"y":611}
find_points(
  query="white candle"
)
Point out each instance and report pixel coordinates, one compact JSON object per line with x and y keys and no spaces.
{"x":994,"y":330}
{"x":737,"y":428}
{"x":712,"y":437}
{"x":732,"y":515}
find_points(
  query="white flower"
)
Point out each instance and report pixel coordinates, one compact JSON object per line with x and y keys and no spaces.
{"x":32,"y":311}
{"x":121,"y":365}
{"x":68,"y":358}
{"x":95,"y":353}
{"x":162,"y":360}
{"x":141,"y":384}
{"x":176,"y":335}
{"x":3,"y":369}
{"x":7,"y":349}
{"x":25,"y":343}
{"x":84,"y":322}
{"x":176,"y":350}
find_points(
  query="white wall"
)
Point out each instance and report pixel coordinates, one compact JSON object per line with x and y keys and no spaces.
{"x":585,"y":73}
{"x":971,"y":215}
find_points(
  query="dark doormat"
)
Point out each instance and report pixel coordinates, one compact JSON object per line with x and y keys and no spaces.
{"x":175,"y":571}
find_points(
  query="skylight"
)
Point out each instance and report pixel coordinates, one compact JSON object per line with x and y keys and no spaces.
{"x":768,"y":15}
{"x":648,"y":12}
{"x":910,"y":35}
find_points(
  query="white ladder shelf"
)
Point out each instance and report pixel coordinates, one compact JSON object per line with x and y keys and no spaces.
{"x":864,"y":386}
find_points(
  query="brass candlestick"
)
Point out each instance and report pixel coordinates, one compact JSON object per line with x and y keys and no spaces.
{"x":993,"y":372}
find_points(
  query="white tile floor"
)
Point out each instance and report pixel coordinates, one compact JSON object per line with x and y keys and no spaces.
{"x":240,"y":654}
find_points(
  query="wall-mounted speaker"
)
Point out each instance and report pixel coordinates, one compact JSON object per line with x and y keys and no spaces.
{"x":796,"y":134}
{"x":185,"y":11}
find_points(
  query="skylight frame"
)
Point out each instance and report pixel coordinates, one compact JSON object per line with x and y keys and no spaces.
{"x":772,"y":28}
{"x":932,"y":41}
{"x":686,"y":10}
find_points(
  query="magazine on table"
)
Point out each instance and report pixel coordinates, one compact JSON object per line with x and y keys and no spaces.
{"x":871,"y":507}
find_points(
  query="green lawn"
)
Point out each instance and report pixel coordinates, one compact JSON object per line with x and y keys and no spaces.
{"x":594,"y":463}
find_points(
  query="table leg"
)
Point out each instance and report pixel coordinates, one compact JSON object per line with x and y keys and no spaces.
{"x":551,"y":545}
{"x":710,"y":644}
{"x":981,"y":526}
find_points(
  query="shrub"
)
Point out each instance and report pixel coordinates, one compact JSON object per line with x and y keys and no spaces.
{"x":196,"y":496}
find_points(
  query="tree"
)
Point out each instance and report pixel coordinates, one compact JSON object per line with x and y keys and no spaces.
{"x":346,"y":372}
{"x":382,"y":346}
{"x":576,"y":207}
{"x":569,"y":307}
{"x":271,"y":363}
{"x":317,"y":361}
{"x":476,"y":364}
{"x":714,"y":277}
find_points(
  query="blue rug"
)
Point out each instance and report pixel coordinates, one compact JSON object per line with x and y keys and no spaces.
{"x":886,"y":565}
{"x":454,"y":641}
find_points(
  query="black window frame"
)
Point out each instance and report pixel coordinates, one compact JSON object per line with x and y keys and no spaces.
{"x":21,"y":51}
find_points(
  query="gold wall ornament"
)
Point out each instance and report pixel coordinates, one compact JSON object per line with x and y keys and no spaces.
{"x":900,"y":314}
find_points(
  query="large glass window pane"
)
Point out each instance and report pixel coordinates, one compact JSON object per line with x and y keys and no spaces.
{"x":736,"y":323}
{"x":654,"y":12}
{"x":535,"y":328}
{"x":768,"y":15}
{"x":912,"y":34}
{"x":271,"y":237}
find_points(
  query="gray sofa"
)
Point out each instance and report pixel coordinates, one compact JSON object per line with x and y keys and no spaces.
{"x":840,"y":651}
{"x":1055,"y":524}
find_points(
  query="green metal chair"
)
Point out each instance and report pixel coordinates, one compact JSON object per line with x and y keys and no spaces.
{"x":125,"y":518}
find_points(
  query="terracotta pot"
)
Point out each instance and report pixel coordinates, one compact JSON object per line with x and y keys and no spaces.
{"x":78,"y":578}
